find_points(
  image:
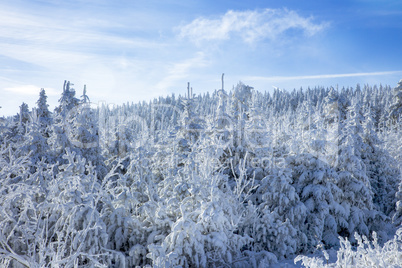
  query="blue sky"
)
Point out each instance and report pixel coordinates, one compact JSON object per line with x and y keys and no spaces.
{"x":137,"y":50}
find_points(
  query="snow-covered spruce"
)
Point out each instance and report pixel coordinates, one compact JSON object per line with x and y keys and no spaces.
{"x":236,"y":178}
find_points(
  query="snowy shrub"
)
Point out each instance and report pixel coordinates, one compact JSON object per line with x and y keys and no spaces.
{"x":19,"y":230}
{"x":76,"y":233}
{"x":121,"y":213}
{"x":366,"y":254}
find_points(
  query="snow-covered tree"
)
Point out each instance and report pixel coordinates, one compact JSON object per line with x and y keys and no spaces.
{"x":357,"y":198}
{"x":205,"y":213}
{"x":397,"y":217}
{"x":222,"y":122}
{"x":396,"y":107}
{"x":68,"y":101}
{"x":63,"y":118}
{"x":316,"y":184}
{"x":45,"y":117}
{"x":237,"y":179}
{"x":22,"y":119}
{"x":278,"y":228}
{"x":23,"y":116}
{"x":239,"y":108}
{"x":84,"y":96}
{"x":77,"y":229}
{"x":380,"y":167}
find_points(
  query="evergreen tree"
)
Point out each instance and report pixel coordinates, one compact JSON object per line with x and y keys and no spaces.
{"x":45,"y":117}
{"x":64,"y":116}
{"x":316,"y":184}
{"x":397,"y":217}
{"x":22,"y":118}
{"x":353,"y":181}
{"x":271,"y":176}
{"x":204,"y":213}
{"x":19,"y":126}
{"x":281,"y":216}
{"x":84,"y":127}
{"x":68,"y":101}
{"x":35,"y":143}
{"x":239,"y":109}
{"x":396,"y":107}
{"x":379,"y":167}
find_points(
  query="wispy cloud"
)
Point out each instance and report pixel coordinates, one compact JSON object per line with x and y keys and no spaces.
{"x":181,"y":70}
{"x":23,"y":27}
{"x":92,"y":45}
{"x":249,"y":25}
{"x":321,"y":76}
{"x":30,"y":90}
{"x":51,"y":41}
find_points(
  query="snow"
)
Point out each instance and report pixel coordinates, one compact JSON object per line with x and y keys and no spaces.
{"x":232,"y":179}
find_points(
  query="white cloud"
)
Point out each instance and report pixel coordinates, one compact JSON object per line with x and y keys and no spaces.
{"x":321,"y":76}
{"x":251,"y":26}
{"x":51,"y":41}
{"x":181,"y":70}
{"x":30,"y":90}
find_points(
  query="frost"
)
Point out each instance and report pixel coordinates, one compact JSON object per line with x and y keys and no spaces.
{"x":236,"y":178}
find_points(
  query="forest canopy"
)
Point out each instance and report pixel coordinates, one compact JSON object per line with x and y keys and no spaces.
{"x":235,"y":178}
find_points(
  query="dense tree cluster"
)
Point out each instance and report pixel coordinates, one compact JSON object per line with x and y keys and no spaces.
{"x":239,"y":178}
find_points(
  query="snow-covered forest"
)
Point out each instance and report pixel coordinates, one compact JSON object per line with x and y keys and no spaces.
{"x":233,"y":178}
